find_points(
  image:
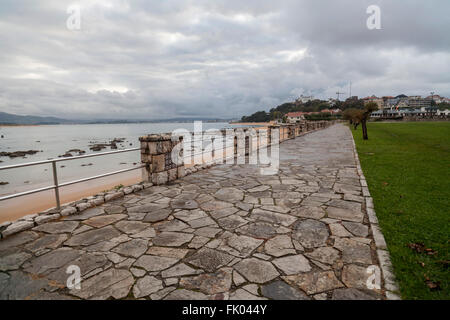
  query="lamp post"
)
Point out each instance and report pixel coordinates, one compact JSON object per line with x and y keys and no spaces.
{"x":431,"y":104}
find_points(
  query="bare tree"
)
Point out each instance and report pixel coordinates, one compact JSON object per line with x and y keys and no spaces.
{"x":353,"y":116}
{"x":360,"y":116}
{"x":368,"y":109}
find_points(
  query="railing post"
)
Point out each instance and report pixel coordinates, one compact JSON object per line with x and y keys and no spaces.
{"x":55,"y":181}
{"x":157,"y":155}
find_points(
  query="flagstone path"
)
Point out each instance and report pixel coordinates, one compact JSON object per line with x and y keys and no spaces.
{"x":227,"y":232}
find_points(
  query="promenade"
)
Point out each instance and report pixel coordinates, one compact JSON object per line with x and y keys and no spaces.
{"x":227,"y":232}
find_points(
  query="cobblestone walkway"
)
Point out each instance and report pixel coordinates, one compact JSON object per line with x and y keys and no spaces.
{"x":222,"y":233}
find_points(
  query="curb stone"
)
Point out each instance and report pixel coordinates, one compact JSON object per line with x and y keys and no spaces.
{"x":390,"y":283}
{"x":30,"y":221}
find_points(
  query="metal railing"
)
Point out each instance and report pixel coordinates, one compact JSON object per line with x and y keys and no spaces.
{"x":56,"y":185}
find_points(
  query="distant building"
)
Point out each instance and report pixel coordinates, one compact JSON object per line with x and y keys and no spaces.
{"x":387,"y":101}
{"x":293,"y":117}
{"x":438,"y":99}
{"x":445,"y":112}
{"x":304,"y":99}
{"x":409,"y":113}
{"x":373,"y":98}
{"x":332,"y":101}
{"x":403,"y":103}
{"x":416,"y":102}
{"x":332,"y":111}
{"x":391,"y":103}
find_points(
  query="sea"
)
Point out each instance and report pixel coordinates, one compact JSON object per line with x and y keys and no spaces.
{"x":53,"y":141}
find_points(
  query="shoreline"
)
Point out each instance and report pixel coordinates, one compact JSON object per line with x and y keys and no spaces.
{"x":16,"y":208}
{"x":97,"y":123}
{"x":18,"y":125}
{"x":250,"y":123}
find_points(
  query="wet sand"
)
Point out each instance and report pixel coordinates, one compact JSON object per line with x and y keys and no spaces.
{"x":264,"y":124}
{"x":13,"y":209}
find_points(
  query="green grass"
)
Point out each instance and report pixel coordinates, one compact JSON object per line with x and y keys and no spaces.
{"x":407,"y":169}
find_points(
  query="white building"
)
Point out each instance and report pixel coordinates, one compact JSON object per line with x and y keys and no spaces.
{"x":293,"y":117}
{"x":445,"y":112}
{"x":304,"y":99}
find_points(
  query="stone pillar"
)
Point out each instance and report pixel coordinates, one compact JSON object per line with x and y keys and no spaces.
{"x":247,"y":144}
{"x":284,"y":132}
{"x":302,"y":127}
{"x":290,"y":131}
{"x":156,"y":153}
{"x":269,"y":134}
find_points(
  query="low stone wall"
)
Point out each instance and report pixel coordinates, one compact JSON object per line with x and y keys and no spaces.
{"x":72,"y":208}
{"x":157,"y":149}
{"x":157,"y":154}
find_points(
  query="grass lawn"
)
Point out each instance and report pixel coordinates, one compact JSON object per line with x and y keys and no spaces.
{"x":407,"y":167}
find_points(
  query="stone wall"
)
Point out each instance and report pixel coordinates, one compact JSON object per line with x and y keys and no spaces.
{"x":157,"y":149}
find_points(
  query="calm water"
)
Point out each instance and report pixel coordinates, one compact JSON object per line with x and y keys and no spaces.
{"x":56,"y":140}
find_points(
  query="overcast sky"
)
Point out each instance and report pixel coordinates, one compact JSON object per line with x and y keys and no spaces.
{"x":214,"y":58}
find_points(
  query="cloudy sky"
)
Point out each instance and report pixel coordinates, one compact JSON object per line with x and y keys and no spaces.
{"x":158,"y":59}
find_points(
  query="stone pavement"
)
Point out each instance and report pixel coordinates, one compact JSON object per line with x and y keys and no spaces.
{"x":227,"y":232}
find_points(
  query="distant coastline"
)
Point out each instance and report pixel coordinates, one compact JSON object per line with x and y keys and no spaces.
{"x":18,"y":125}
{"x":9,"y":119}
{"x":250,"y":123}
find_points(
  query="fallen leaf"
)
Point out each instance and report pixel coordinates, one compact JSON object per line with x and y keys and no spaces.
{"x":417,"y":246}
{"x":430,"y":251}
{"x":420,"y":248}
{"x":433,"y":285}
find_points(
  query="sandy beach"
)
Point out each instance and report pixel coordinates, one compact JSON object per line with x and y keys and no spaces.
{"x":263,"y":124}
{"x":16,"y":208}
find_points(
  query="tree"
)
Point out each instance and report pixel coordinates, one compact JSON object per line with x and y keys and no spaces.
{"x":368,"y":109}
{"x":276,"y":115}
{"x":260,"y":116}
{"x":443,"y":105}
{"x":360,"y":116}
{"x":352,"y":103}
{"x":353,"y":115}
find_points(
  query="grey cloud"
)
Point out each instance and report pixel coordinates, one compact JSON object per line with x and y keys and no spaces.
{"x":161,"y":59}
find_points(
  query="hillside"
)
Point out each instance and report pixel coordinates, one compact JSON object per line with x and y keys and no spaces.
{"x":279,"y":111}
{"x":8,"y":118}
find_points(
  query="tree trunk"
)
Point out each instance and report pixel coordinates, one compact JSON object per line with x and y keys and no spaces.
{"x":364,"y":130}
